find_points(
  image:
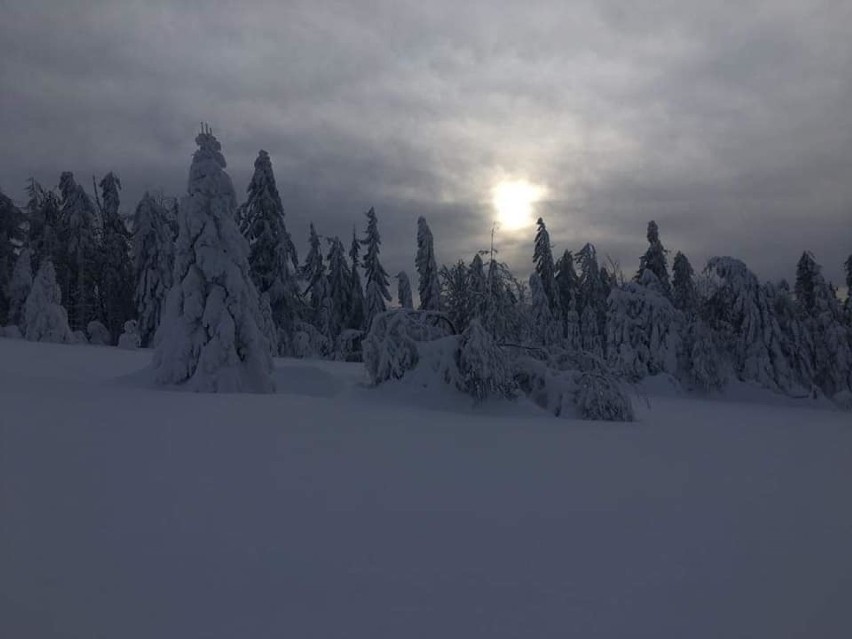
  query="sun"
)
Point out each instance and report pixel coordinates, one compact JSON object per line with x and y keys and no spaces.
{"x":514,"y":201}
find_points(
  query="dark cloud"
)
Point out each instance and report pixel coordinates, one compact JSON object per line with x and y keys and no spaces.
{"x":729,"y":123}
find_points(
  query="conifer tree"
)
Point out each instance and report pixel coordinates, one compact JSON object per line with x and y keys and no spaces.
{"x":566,"y":281}
{"x":544,"y":266}
{"x":153,"y":263}
{"x":376,"y":276}
{"x":848,"y":266}
{"x":46,"y":319}
{"x":404,"y":290}
{"x":654,"y":259}
{"x":356,"y":290}
{"x":592,"y":296}
{"x":115,"y":273}
{"x":339,"y":279}
{"x":543,"y":327}
{"x":43,"y":212}
{"x":78,"y":253}
{"x":429,"y":288}
{"x":20,"y":285}
{"x":272,"y":255}
{"x":456,"y":292}
{"x":684,"y":294}
{"x":11,"y":237}
{"x":210,"y":338}
{"x":313,"y":272}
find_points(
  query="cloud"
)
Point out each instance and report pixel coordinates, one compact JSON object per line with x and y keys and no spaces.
{"x":729,"y":125}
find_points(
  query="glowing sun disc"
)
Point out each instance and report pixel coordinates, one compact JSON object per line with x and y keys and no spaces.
{"x":514,"y":202}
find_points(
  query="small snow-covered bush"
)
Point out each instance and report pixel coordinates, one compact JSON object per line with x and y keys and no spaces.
{"x":46,"y":319}
{"x":78,"y":337}
{"x":483,"y":368}
{"x":98,"y":333}
{"x":309,"y":342}
{"x":130,"y":339}
{"x":599,"y":397}
{"x":11,"y":332}
{"x":348,"y":347}
{"x":573,"y":384}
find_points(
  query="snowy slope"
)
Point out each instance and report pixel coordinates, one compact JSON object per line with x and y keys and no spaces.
{"x":334,"y":510}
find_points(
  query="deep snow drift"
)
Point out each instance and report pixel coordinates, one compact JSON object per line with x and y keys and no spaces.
{"x":335,"y":510}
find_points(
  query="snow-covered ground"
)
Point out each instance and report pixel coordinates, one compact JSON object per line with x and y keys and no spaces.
{"x":335,"y":510}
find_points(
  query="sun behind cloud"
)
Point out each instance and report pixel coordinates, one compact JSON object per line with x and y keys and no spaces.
{"x":514,"y":201}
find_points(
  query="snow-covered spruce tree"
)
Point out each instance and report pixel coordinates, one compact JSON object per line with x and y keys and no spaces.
{"x":504,"y":312}
{"x":456,"y":300}
{"x":483,"y":369}
{"x":377,"y":279}
{"x":313,"y":272}
{"x":11,"y":237}
{"x":592,"y":297}
{"x":429,"y":287}
{"x":684,"y":293}
{"x":77,"y":262}
{"x":339,"y":279}
{"x":356,"y":289}
{"x":272,"y":255}
{"x":153,"y":263}
{"x":642,"y":330}
{"x":42,"y":212}
{"x":404,"y":290}
{"x":828,"y":333}
{"x":544,"y":266}
{"x":46,"y":318}
{"x":740,"y":314}
{"x":210,"y":337}
{"x":848,"y":267}
{"x":654,"y":259}
{"x":543,"y":327}
{"x":20,"y":285}
{"x":115,"y":270}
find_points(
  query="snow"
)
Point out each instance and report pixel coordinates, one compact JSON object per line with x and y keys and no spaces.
{"x":331,"y":509}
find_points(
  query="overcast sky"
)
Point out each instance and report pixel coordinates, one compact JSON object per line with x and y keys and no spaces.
{"x":729,"y":123}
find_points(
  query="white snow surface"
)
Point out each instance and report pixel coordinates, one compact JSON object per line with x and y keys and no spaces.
{"x":332,"y":509}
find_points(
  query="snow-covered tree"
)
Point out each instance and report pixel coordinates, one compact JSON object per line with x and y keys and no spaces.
{"x":78,"y":253}
{"x":567,"y":281}
{"x":98,"y":334}
{"x":115,"y":270}
{"x":377,"y":278}
{"x":129,"y":338}
{"x":210,"y":337}
{"x":642,"y":330}
{"x":477,"y":287}
{"x":684,"y":293}
{"x":484,"y":370}
{"x":404,"y":290}
{"x":356,"y":289}
{"x":592,"y":297}
{"x":829,"y":334}
{"x":339,"y":280}
{"x":272,"y":256}
{"x":313,"y":272}
{"x":848,"y":267}
{"x":46,"y":319}
{"x":456,"y":299}
{"x":544,"y":328}
{"x":20,"y":286}
{"x":739,"y":312}
{"x":429,"y":287}
{"x":153,"y":263}
{"x":654,"y":259}
{"x":544,"y":266}
{"x":11,"y":238}
{"x":43,"y":212}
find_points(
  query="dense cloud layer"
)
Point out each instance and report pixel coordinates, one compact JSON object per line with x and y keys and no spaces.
{"x":730,"y":124}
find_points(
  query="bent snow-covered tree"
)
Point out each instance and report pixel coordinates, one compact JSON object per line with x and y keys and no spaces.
{"x":210,"y":338}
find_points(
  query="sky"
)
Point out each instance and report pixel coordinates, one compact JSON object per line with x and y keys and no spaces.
{"x":729,"y":123}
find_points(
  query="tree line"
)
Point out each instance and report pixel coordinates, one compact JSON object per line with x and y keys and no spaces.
{"x":218,"y":288}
